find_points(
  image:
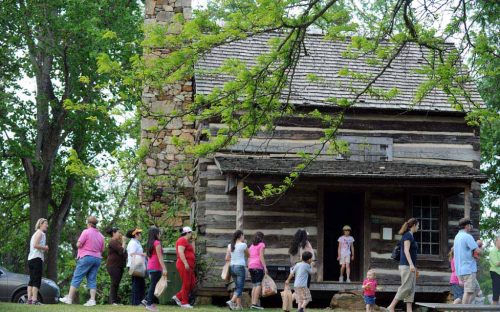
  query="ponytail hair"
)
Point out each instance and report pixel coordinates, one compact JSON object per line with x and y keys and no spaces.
{"x":236,"y":236}
{"x":407,"y":225}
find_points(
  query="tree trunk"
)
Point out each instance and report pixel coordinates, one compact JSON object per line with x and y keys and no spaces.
{"x":56,"y":226}
{"x":40,"y":195}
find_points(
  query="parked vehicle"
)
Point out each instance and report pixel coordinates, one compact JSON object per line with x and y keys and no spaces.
{"x":13,"y":288}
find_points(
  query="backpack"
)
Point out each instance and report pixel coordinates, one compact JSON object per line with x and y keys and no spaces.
{"x":396,"y":252}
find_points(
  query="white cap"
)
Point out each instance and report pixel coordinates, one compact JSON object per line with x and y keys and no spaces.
{"x":186,"y":229}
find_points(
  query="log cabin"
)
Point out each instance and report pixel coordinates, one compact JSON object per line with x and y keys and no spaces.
{"x":406,"y":160}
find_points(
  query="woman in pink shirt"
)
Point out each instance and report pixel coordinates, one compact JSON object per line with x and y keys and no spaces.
{"x":257,"y":267}
{"x":90,"y":247}
{"x":156,"y":266}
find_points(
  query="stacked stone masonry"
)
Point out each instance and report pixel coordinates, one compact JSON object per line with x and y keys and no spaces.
{"x":158,"y":104}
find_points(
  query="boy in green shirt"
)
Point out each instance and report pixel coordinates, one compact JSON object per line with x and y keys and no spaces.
{"x":495,"y":270}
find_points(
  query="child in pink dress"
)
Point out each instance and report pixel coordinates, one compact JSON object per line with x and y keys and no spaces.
{"x":369,"y":289}
{"x":457,"y":290}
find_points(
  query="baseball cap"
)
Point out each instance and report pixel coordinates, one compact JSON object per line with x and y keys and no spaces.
{"x":186,"y":230}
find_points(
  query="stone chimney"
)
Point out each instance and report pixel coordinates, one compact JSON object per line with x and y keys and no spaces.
{"x":163,"y":187}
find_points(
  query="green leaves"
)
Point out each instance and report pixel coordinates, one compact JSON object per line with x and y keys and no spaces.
{"x":77,"y":167}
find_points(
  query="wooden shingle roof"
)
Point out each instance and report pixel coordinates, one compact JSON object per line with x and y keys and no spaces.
{"x":325,"y":59}
{"x":353,"y":169}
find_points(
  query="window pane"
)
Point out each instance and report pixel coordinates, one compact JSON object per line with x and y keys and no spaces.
{"x":435,"y":212}
{"x":426,"y":249}
{"x":426,"y":224}
{"x":426,"y":237}
{"x":426,"y":213}
{"x":418,"y":236}
{"x":435,"y":249}
{"x":435,"y":224}
{"x":435,"y":237}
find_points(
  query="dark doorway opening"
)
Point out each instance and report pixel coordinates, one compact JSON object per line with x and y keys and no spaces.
{"x":343,"y":208}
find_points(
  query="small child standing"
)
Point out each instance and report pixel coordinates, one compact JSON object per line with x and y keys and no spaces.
{"x":457,"y":290}
{"x":345,"y":253}
{"x":301,"y":271}
{"x":369,"y":289}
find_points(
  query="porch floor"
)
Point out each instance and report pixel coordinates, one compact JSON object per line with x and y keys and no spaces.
{"x":337,"y":287}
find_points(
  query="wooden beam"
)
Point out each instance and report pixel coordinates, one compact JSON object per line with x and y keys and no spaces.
{"x":239,"y":205}
{"x":366,"y":232}
{"x":321,"y":234}
{"x":467,"y":201}
{"x":231,"y":182}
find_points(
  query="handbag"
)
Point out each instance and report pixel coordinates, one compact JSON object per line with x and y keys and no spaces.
{"x":396,"y":252}
{"x":287,"y":298}
{"x":137,"y":266}
{"x":226,"y":273}
{"x":268,"y":286}
{"x":161,"y":286}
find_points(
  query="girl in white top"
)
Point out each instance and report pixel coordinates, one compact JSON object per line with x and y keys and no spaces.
{"x":237,"y":252}
{"x":38,"y":245}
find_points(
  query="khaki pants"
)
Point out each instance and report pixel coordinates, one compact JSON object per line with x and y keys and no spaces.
{"x":406,"y":291}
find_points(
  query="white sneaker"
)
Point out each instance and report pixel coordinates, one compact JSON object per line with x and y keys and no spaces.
{"x":341,"y":279}
{"x":177,"y":301}
{"x":348,"y":280}
{"x":186,"y":306}
{"x":230,"y":304}
{"x":152,"y":308}
{"x":65,"y":300}
{"x":90,"y":303}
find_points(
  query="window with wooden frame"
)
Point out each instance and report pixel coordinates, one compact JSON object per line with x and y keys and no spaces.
{"x":427,"y":209}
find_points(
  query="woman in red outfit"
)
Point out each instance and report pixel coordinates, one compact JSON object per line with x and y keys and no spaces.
{"x":185,"y":266}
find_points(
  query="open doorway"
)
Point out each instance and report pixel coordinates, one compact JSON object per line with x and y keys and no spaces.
{"x":343,"y":208}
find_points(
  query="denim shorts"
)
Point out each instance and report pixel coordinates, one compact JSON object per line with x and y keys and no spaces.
{"x":256,"y":275}
{"x":238,"y":275}
{"x":457,"y":291}
{"x":86,"y":267}
{"x":369,"y":299}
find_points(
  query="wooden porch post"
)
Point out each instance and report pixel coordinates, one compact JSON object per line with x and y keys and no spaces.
{"x":366,"y":234}
{"x":321,"y":235}
{"x":239,"y":205}
{"x":467,"y":201}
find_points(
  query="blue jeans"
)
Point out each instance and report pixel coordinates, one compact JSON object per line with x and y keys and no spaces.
{"x":238,"y":275}
{"x":86,"y":267}
{"x":155,"y":277}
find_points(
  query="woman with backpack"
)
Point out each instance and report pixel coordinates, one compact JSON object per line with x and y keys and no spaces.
{"x":407,"y":265}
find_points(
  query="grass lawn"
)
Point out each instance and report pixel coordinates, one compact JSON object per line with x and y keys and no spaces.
{"x":13,"y":307}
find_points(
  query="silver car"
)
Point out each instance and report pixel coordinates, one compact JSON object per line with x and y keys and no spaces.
{"x":13,"y":288}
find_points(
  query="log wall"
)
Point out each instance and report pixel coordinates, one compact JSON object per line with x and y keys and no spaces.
{"x":415,"y":139}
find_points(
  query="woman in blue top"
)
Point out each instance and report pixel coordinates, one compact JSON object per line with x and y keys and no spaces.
{"x":237,"y":252}
{"x":407,"y":262}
